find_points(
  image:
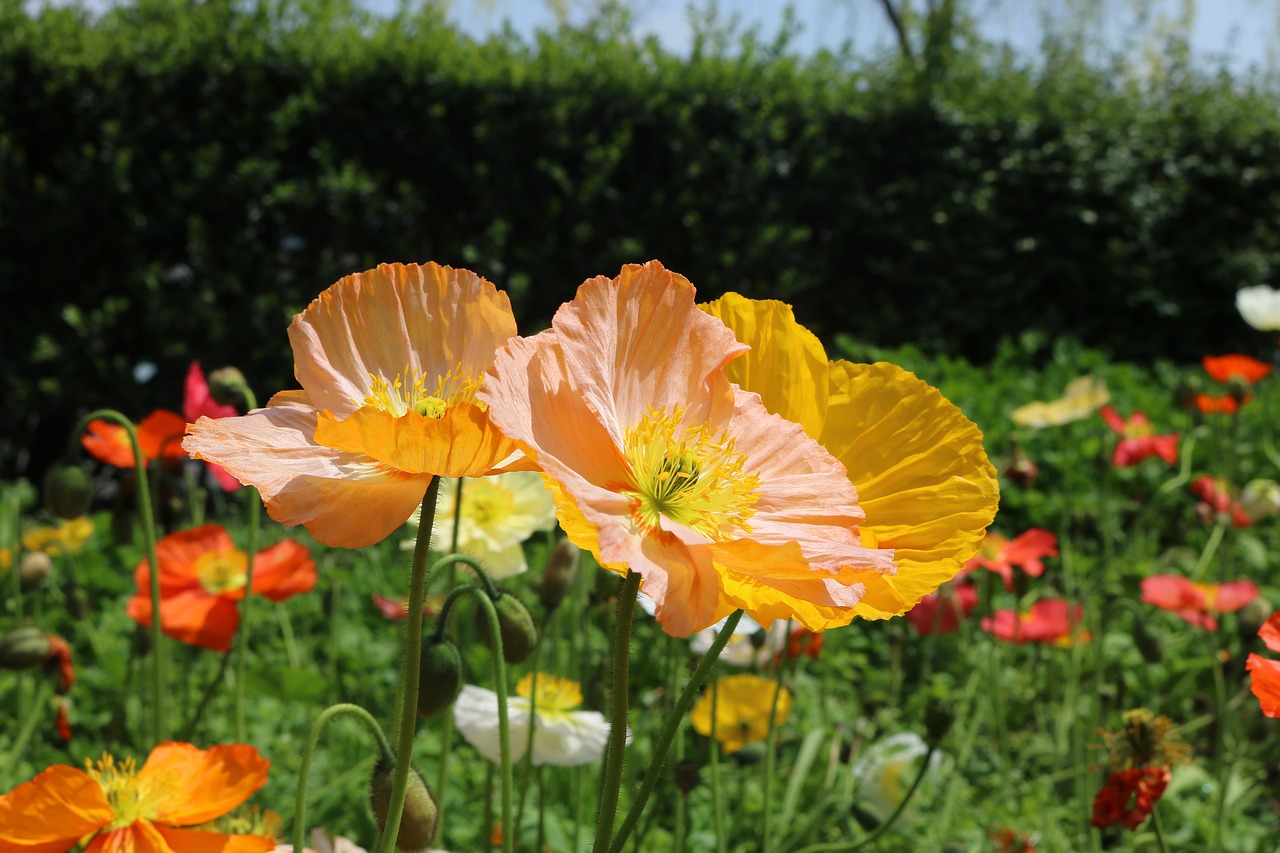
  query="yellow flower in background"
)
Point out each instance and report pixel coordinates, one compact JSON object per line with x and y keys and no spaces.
{"x":1083,"y":397}
{"x":743,"y":703}
{"x":921,"y":473}
{"x":67,"y":537}
{"x":498,"y":514}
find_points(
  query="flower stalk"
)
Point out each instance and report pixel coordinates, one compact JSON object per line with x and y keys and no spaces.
{"x":611,"y":784}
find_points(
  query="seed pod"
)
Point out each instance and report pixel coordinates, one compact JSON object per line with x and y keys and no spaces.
{"x":227,"y":386}
{"x":68,"y":491}
{"x":519,"y":636}
{"x":24,"y":648}
{"x":33,"y":569}
{"x":439,"y":676}
{"x":418,"y":822}
{"x":558,"y":574}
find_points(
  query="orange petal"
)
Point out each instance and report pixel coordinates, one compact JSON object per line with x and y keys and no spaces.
{"x":108,"y":442}
{"x":922,"y":477}
{"x":137,"y":837}
{"x":344,"y":499}
{"x":193,"y":616}
{"x":430,"y":318}
{"x":176,"y":555}
{"x":160,"y":435}
{"x":816,"y":604}
{"x":462,"y":443}
{"x":283,"y":570}
{"x":183,"y":785}
{"x":194,"y":841}
{"x":52,"y":812}
{"x":1264,"y":680}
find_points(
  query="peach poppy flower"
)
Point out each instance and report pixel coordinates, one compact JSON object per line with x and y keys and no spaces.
{"x":1027,"y":551}
{"x":1193,"y":602}
{"x":159,"y":437}
{"x":1225,"y":368}
{"x":389,"y":361}
{"x":125,"y":810}
{"x":1050,"y":620}
{"x":1138,"y":440}
{"x":659,"y":464}
{"x":202,"y":579}
{"x":917,"y":463}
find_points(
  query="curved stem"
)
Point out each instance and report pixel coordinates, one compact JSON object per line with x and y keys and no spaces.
{"x":611,"y":784}
{"x":158,"y":649}
{"x":406,"y":724}
{"x":300,"y":801}
{"x":669,"y":727}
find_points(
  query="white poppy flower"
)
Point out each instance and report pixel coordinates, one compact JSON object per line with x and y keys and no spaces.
{"x":883,"y":773}
{"x":561,"y":735}
{"x":1260,"y":307}
{"x":498,"y":514}
{"x":741,"y":650}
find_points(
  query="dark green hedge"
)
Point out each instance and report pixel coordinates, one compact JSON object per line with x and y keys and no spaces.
{"x":178,"y":178}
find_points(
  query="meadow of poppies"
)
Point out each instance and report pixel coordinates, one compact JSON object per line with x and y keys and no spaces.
{"x":666,"y":575}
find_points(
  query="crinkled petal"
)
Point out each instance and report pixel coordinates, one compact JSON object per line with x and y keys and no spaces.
{"x":344,"y":499}
{"x":183,"y":785}
{"x":922,"y":477}
{"x":281,"y":571}
{"x":50,"y":813}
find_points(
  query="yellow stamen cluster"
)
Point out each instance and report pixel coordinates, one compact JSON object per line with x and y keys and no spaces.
{"x":553,"y":694}
{"x":688,"y":476}
{"x":408,"y":391}
{"x":222,"y":572}
{"x":119,"y":782}
{"x":487,"y":501}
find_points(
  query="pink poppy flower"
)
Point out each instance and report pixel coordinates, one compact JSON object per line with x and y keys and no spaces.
{"x":1050,"y":620}
{"x":940,"y":612}
{"x":1001,"y":555}
{"x":197,"y":404}
{"x":1193,"y":602}
{"x":1138,"y":440}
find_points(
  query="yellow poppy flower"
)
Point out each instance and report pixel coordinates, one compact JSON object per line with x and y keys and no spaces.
{"x":1082,"y":397}
{"x":743,"y":703}
{"x":69,"y":536}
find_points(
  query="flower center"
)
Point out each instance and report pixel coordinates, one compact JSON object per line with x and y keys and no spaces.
{"x":688,"y":476}
{"x":409,"y":391}
{"x":552,"y":695}
{"x":993,"y":546}
{"x":222,"y":572}
{"x":119,"y":782}
{"x":486,"y":502}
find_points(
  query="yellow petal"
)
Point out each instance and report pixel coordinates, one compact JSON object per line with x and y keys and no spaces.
{"x":786,"y":366}
{"x":922,"y":475}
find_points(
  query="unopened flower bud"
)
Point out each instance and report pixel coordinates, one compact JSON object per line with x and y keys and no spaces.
{"x":33,"y":569}
{"x":24,"y":648}
{"x":418,"y":821}
{"x":939,"y":714}
{"x":1147,"y":642}
{"x":687,"y":775}
{"x":227,"y":386}
{"x":1252,"y":616}
{"x":68,"y":491}
{"x":519,"y":636}
{"x":439,"y":676}
{"x":558,"y":574}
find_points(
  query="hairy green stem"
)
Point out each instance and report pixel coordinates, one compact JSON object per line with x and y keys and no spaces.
{"x":771,"y":740}
{"x":611,"y":785}
{"x":446,"y":722}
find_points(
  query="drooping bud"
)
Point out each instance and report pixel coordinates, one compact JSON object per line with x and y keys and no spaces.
{"x":68,"y":491}
{"x":439,"y":676}
{"x":24,"y":648}
{"x":1147,"y":642}
{"x":418,"y":821}
{"x":227,"y":386}
{"x":558,"y":574}
{"x":33,"y":569}
{"x":687,"y":775}
{"x":519,"y":635}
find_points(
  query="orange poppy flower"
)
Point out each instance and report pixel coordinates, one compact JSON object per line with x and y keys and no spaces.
{"x":1001,"y":555}
{"x":1225,"y":368}
{"x":659,"y":464}
{"x":1226,"y":404}
{"x":1264,"y":681}
{"x":1050,"y":620}
{"x":1193,"y":602}
{"x":389,"y":361}
{"x":202,"y":579}
{"x":1269,"y":633}
{"x":124,"y":810}
{"x":1128,"y":796}
{"x":159,"y":437}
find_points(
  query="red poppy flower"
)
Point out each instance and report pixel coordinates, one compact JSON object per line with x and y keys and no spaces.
{"x":1193,"y":602}
{"x":1220,"y":405}
{"x":198,"y":403}
{"x":1269,"y":633}
{"x":1217,"y":496}
{"x":59,"y":649}
{"x":1137,"y":439}
{"x":1050,"y":620}
{"x":1001,"y":555}
{"x":1264,"y":680}
{"x":62,"y":721}
{"x":940,"y":612}
{"x":1128,"y":796}
{"x":802,"y":641}
{"x":202,"y":579}
{"x":396,"y":609}
{"x":159,"y":436}
{"x":1225,"y":368}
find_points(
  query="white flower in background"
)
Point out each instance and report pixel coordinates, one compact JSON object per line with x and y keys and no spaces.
{"x":742,"y":648}
{"x":561,"y":735}
{"x":498,"y":514}
{"x":320,"y":839}
{"x":1260,"y":307}
{"x":883,"y":773}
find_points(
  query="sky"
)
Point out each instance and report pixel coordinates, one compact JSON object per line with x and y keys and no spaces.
{"x":1243,"y":33}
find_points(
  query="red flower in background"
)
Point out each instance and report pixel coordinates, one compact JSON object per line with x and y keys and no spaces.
{"x":1050,"y":620}
{"x":198,"y":403}
{"x":1000,"y":554}
{"x":1138,"y":440}
{"x":802,"y":641}
{"x":1264,"y":674}
{"x":1128,"y":796}
{"x":396,"y":609}
{"x":1193,"y":602}
{"x":1223,"y":405}
{"x":940,"y":612}
{"x":159,"y":437}
{"x":1242,"y":368}
{"x":1217,"y":496}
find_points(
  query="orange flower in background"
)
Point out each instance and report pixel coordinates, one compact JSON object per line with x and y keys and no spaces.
{"x":202,"y":580}
{"x":1264,"y":674}
{"x":1128,"y":796}
{"x":1193,"y":602}
{"x":1001,"y":555}
{"x":1217,"y":497}
{"x":1050,"y":620}
{"x":660,"y":465}
{"x":1138,"y":440}
{"x":1241,"y":368}
{"x":1220,"y":405}
{"x":159,"y":437}
{"x":389,"y":361}
{"x":802,"y":641}
{"x":125,"y":810}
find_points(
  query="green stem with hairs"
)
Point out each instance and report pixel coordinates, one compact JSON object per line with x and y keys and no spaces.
{"x":611,"y":785}
{"x":446,"y":733}
{"x":717,"y":798}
